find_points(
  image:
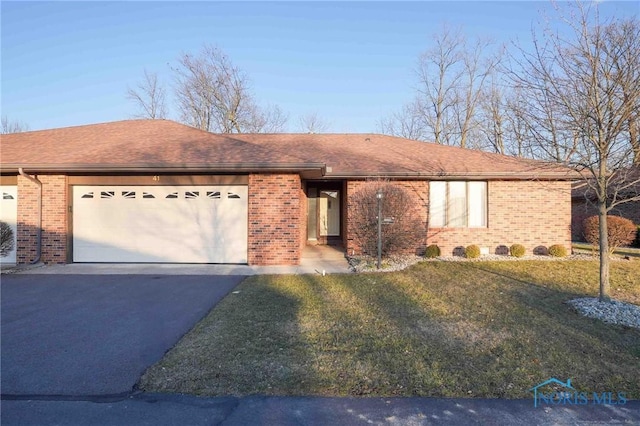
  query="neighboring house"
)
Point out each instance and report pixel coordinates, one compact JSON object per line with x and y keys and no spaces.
{"x":159,"y":191}
{"x":583,"y":201}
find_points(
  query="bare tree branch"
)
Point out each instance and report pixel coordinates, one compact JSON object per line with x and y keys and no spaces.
{"x":451,"y":77}
{"x":408,"y":123}
{"x":313,"y":123}
{"x":149,"y":97}
{"x":584,"y":93}
{"x":9,"y":126}
{"x":214,"y":95}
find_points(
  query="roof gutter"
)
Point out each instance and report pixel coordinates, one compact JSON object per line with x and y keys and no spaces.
{"x":452,"y":176}
{"x":39,"y":230}
{"x":155,"y":168}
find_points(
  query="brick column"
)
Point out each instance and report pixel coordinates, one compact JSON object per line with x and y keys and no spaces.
{"x":54,"y":219}
{"x":274,"y":219}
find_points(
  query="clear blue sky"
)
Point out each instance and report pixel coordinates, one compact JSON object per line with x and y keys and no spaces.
{"x":70,"y":63}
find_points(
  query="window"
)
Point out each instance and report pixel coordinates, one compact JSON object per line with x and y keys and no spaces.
{"x":128,"y":194}
{"x":232,"y":195}
{"x":190,"y":195}
{"x":457,"y":204}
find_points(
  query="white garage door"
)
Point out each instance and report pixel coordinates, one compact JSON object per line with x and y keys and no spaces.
{"x":174,"y":224}
{"x":9,"y":214}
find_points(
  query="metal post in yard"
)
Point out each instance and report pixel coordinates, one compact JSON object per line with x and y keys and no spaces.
{"x":379,"y":197}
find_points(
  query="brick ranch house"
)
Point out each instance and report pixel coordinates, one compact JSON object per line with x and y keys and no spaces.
{"x":159,"y":191}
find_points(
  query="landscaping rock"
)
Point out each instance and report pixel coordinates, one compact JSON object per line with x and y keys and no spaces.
{"x":614,"y":312}
{"x":398,"y":263}
{"x":391,"y":264}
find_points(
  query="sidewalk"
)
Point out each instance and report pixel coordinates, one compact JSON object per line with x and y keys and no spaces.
{"x":153,"y":409}
{"x":314,"y":260}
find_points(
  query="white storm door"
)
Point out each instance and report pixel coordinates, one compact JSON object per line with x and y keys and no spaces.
{"x":329,"y":213}
{"x":172,"y":224}
{"x":9,"y":215}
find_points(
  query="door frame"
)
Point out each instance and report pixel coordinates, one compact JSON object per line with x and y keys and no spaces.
{"x":326,"y":186}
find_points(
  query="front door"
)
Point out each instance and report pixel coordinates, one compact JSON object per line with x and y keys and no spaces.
{"x":329,"y":213}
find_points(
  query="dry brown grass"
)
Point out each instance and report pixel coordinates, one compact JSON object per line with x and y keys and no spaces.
{"x":482,"y":329}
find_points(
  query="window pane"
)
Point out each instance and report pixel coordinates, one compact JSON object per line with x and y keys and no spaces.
{"x":437,"y":204}
{"x":477,"y":204}
{"x":457,"y":204}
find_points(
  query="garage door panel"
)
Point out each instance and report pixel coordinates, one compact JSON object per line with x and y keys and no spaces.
{"x":160,"y":224}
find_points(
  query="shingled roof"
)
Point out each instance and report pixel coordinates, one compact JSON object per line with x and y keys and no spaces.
{"x":163,"y":145}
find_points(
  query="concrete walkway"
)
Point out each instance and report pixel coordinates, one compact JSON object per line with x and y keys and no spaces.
{"x":315,"y":260}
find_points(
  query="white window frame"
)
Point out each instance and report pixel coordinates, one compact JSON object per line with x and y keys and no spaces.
{"x":476,"y":193}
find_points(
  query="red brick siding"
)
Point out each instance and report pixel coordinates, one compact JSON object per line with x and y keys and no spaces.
{"x":275,"y":220}
{"x":54,"y":219}
{"x":524,"y":212}
{"x":419,"y":190}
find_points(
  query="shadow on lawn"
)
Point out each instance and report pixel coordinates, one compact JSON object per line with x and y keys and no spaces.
{"x":237,"y":351}
{"x":490,"y":334}
{"x":590,"y":351}
{"x":400,"y":346}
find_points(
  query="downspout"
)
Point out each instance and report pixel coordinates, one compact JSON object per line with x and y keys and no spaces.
{"x":39,"y":234}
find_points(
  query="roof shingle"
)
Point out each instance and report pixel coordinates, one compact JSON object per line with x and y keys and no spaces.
{"x":164,"y":144}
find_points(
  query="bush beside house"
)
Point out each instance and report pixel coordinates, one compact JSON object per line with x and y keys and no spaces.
{"x":402,"y":229}
{"x":6,"y":239}
{"x":621,"y":232}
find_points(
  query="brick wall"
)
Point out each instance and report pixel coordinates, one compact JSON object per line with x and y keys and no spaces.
{"x":54,"y":219}
{"x":275,"y":221}
{"x":524,"y":212}
{"x":419,"y":190}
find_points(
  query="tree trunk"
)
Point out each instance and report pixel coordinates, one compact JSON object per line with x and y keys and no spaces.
{"x":604,"y":251}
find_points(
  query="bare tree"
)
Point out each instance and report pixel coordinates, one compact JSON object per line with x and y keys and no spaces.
{"x":313,"y":123}
{"x":477,"y":67}
{"x":149,"y":97}
{"x":517,"y":125}
{"x":440,"y":72}
{"x":588,"y":85}
{"x":214,"y":95}
{"x":451,"y":77}
{"x":269,"y":119}
{"x":9,"y":126}
{"x":408,"y":123}
{"x":493,"y":117}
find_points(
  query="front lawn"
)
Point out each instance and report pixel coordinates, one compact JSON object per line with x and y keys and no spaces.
{"x":448,"y":329}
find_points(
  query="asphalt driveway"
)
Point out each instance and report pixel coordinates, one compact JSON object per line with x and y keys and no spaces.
{"x":95,"y":334}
